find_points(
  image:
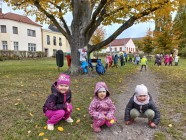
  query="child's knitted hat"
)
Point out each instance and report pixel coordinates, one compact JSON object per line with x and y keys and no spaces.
{"x":141,"y":90}
{"x":63,"y":79}
{"x":102,"y":89}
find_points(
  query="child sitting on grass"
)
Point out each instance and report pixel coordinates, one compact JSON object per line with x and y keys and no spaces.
{"x":142,"y":105}
{"x":58,"y":104}
{"x":101,"y":108}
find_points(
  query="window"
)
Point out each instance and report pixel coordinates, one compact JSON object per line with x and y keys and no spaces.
{"x":54,"y":40}
{"x":120,"y":48}
{"x":15,"y":30}
{"x":16,"y":46}
{"x":48,"y":40}
{"x":54,"y":52}
{"x":110,"y":49}
{"x":3,"y":28}
{"x":31,"y":32}
{"x":31,"y":47}
{"x":115,"y":49}
{"x":5,"y":45}
{"x":60,"y":42}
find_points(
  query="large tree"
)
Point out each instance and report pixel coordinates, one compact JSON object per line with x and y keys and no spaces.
{"x":88,"y":15}
{"x":148,"y":42}
{"x":179,"y":26}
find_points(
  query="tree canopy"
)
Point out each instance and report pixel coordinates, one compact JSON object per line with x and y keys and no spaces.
{"x":88,"y":15}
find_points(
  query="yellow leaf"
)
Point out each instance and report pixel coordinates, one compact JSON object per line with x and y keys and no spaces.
{"x":16,"y":103}
{"x":60,"y":128}
{"x":45,"y":139}
{"x":170,"y":125}
{"x":45,"y":127}
{"x":78,"y":121}
{"x":31,"y":114}
{"x":112,"y":121}
{"x":78,"y":109}
{"x":41,"y":134}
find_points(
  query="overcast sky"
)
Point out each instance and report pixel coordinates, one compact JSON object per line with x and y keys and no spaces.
{"x":138,"y":30}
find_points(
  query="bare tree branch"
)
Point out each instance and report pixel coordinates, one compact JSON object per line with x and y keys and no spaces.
{"x":95,"y":14}
{"x":61,"y":17}
{"x":36,"y":3}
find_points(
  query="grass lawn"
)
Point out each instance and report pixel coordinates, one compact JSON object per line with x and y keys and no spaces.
{"x":25,"y":85}
{"x":172,"y":100}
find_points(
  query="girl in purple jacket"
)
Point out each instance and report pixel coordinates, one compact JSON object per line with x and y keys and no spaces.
{"x":101,"y":108}
{"x":58,"y":104}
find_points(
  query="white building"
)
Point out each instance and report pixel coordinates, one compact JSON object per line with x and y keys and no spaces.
{"x":124,"y":45}
{"x":19,"y":33}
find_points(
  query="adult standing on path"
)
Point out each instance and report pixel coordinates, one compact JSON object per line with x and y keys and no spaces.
{"x":139,"y":130}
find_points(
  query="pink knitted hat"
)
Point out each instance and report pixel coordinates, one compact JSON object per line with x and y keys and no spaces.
{"x":63,"y":79}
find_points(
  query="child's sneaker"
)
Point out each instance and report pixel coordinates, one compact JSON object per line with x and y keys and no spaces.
{"x":69,"y":120}
{"x":96,"y":129}
{"x":129,"y":122}
{"x":50,"y":126}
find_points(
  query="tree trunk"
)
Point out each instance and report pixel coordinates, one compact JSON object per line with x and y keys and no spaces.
{"x":81,"y":15}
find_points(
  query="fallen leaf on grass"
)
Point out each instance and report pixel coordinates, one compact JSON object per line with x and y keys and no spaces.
{"x":78,"y":121}
{"x":41,"y":134}
{"x":60,"y":128}
{"x":45,"y":139}
{"x":31,"y":114}
{"x":45,"y":127}
{"x":78,"y":109}
{"x":170,"y":125}
{"x":16,"y":104}
{"x":36,"y":126}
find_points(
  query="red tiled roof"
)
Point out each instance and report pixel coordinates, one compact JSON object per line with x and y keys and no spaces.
{"x":120,"y":42}
{"x":18,"y":18}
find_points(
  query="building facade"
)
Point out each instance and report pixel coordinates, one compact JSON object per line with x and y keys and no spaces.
{"x":121,"y":45}
{"x":19,"y":33}
{"x":53,"y":41}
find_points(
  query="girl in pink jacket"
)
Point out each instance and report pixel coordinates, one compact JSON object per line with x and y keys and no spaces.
{"x":101,"y":108}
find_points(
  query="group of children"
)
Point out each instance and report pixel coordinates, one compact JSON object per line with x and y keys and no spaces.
{"x":58,"y":105}
{"x":168,"y":59}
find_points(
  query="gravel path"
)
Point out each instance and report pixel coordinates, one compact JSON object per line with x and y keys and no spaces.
{"x":140,"y":129}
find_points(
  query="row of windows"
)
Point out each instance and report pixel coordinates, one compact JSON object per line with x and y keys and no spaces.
{"x":120,"y":49}
{"x":31,"y":46}
{"x":54,"y":40}
{"x":15,"y":30}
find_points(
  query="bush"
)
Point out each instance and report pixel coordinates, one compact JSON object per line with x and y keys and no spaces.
{"x":183,"y":52}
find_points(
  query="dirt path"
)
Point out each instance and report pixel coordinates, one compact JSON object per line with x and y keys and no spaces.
{"x":140,"y":129}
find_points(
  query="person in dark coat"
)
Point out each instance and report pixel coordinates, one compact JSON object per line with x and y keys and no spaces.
{"x":142,"y":105}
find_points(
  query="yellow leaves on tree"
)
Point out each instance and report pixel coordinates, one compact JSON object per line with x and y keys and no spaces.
{"x":98,"y":36}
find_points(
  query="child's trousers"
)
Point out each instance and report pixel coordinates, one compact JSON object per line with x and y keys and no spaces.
{"x":100,"y":122}
{"x":149,"y":113}
{"x":54,"y":116}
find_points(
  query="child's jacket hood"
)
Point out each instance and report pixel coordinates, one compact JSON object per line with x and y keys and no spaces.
{"x":100,"y":85}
